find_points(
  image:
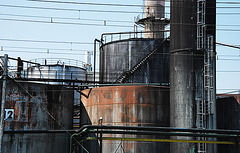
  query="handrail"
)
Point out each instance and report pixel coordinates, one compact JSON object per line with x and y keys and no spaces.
{"x":130,"y":35}
{"x":141,"y":62}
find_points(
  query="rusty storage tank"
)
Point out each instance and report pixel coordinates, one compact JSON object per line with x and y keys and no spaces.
{"x":130,"y":56}
{"x":228,"y":117}
{"x":57,"y":69}
{"x":127,"y":106}
{"x":27,"y":108}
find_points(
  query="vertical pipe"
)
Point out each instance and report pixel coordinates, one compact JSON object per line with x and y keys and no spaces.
{"x":3,"y":99}
{"x":182,"y":84}
{"x":94,"y":62}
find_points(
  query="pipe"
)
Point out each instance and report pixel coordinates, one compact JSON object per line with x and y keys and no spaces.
{"x":94,"y":62}
{"x":5,"y":75}
{"x":38,"y":131}
{"x":76,"y":134}
{"x":165,"y":134}
{"x":164,"y":140}
{"x":167,"y":129}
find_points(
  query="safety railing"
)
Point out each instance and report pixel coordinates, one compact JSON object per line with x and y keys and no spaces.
{"x":58,"y":61}
{"x":110,"y":37}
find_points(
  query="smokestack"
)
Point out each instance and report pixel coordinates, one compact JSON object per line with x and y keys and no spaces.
{"x":88,"y":63}
{"x":154,"y":18}
{"x":182,"y":48}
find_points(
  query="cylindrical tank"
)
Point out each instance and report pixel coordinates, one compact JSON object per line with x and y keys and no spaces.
{"x":28,"y":106}
{"x":128,"y":106}
{"x":119,"y":57}
{"x":56,"y":72}
{"x":154,"y":12}
{"x":228,"y":118}
{"x":182,"y":86}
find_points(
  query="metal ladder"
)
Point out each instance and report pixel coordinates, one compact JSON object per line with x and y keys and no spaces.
{"x":201,"y":46}
{"x":209,"y":75}
{"x":201,"y":28}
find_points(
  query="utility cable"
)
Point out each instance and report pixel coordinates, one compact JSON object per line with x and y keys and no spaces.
{"x":65,"y":9}
{"x":68,"y":23}
{"x":64,"y":18}
{"x":112,"y":4}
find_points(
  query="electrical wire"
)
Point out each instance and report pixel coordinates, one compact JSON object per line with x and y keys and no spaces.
{"x":117,"y":5}
{"x":64,"y":18}
{"x":45,"y":41}
{"x":67,"y":23}
{"x":65,"y":9}
{"x":50,"y":49}
{"x":85,"y":24}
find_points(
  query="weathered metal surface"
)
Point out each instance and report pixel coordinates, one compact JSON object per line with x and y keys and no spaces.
{"x":228,"y":118}
{"x":182,"y":86}
{"x":154,"y":12}
{"x":119,"y":57}
{"x":31,"y":113}
{"x":187,"y":63}
{"x":128,"y":106}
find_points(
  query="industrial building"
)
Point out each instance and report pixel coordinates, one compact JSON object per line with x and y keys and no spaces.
{"x":155,"y":92}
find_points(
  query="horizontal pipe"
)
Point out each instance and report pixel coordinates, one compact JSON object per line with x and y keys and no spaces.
{"x":164,"y":140}
{"x":169,"y":129}
{"x":165,"y":133}
{"x":38,"y":131}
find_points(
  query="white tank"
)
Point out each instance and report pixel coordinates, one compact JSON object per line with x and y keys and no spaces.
{"x":57,"y":69}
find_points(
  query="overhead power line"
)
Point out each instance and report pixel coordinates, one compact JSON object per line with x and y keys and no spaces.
{"x":45,"y":41}
{"x":68,"y":23}
{"x":228,"y":45}
{"x":65,"y":9}
{"x":92,"y":3}
{"x":88,"y":24}
{"x":112,"y":4}
{"x":64,"y":18}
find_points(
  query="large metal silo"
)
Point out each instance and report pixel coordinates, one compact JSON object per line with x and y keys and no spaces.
{"x":192,"y":68}
{"x":120,"y":57}
{"x":37,"y":107}
{"x":183,"y":33}
{"x":127,"y":106}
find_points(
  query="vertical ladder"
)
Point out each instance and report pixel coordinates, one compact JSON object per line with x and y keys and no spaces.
{"x":201,"y":28}
{"x":209,"y":75}
{"x":202,"y":105}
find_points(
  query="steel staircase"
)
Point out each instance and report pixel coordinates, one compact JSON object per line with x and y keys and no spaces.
{"x":128,"y":73}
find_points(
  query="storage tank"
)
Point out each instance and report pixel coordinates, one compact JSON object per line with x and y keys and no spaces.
{"x":119,"y":57}
{"x":191,"y":24}
{"x":32,"y":106}
{"x":228,"y":117}
{"x":128,"y":106}
{"x":58,"y":69}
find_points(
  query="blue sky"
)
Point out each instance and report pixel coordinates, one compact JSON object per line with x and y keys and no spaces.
{"x":228,"y":70}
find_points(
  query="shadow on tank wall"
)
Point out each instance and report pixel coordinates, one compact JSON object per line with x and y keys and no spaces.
{"x":228,"y":117}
